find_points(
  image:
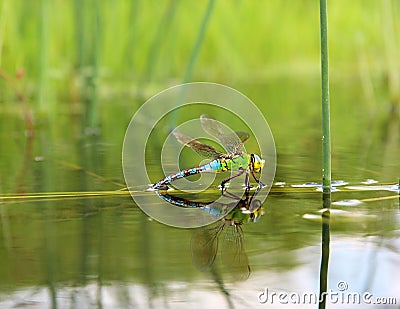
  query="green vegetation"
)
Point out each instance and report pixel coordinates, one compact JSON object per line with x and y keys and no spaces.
{"x":69,"y":49}
{"x":326,"y":122}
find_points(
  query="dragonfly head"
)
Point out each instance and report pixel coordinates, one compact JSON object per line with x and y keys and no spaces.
{"x":256,"y":162}
{"x":256,"y":215}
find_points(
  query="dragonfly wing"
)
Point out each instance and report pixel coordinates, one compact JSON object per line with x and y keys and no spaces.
{"x":202,"y":149}
{"x":233,"y":142}
{"x":233,"y":255}
{"x":243,"y":136}
{"x":204,"y":247}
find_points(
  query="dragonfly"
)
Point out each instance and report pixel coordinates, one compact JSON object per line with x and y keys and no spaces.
{"x":235,"y":160}
{"x":205,"y":241}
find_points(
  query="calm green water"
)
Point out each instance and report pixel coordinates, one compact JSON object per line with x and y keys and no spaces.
{"x":104,"y":252}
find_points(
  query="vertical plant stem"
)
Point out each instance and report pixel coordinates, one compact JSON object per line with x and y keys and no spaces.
{"x":45,"y":173}
{"x":325,"y":251}
{"x":391,"y":50}
{"x":326,"y":155}
{"x":130,"y":51}
{"x":326,"y":135}
{"x":155,"y":48}
{"x":199,"y":42}
{"x":79,"y":35}
{"x":92,"y":82}
{"x":218,"y":279}
{"x":194,"y":54}
{"x":30,"y":128}
{"x":43,"y":57}
{"x":3,"y":18}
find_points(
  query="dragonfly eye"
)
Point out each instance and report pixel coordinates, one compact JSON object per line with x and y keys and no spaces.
{"x":252,"y":161}
{"x":255,"y":205}
{"x":257,"y":163}
{"x":256,"y":215}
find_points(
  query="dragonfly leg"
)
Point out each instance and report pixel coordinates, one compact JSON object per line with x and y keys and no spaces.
{"x":260,"y":184}
{"x":241,"y":171}
{"x":234,"y":197}
{"x":247,"y":180}
{"x":247,"y":193}
{"x":231,"y":196}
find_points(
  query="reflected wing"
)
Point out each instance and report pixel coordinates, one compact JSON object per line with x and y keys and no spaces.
{"x":204,"y":246}
{"x":233,"y":142}
{"x":233,"y":255}
{"x":202,"y":149}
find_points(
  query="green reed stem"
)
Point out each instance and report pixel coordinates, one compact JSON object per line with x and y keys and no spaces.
{"x":199,"y":42}
{"x":3,"y":16}
{"x":92,"y":82}
{"x":195,"y":53}
{"x":43,"y":57}
{"x":155,"y":48}
{"x":326,"y":155}
{"x":79,"y":36}
{"x":391,"y":50}
{"x":326,"y":134}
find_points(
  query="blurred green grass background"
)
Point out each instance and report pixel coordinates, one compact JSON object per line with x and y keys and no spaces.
{"x":66,"y":51}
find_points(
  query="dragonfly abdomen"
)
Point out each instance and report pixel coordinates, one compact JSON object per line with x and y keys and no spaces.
{"x":216,"y":210}
{"x":217,"y":165}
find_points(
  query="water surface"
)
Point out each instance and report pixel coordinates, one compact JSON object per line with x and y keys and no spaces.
{"x":104,"y":252}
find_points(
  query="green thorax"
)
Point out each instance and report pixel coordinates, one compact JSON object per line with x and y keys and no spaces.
{"x":235,"y":163}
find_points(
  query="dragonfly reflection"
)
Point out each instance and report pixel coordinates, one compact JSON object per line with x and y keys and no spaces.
{"x":205,"y":241}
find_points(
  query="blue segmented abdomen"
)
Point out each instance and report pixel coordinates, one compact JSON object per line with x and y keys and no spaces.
{"x":214,"y":165}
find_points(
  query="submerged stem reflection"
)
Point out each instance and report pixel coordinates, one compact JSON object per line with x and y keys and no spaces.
{"x":323,"y":275}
